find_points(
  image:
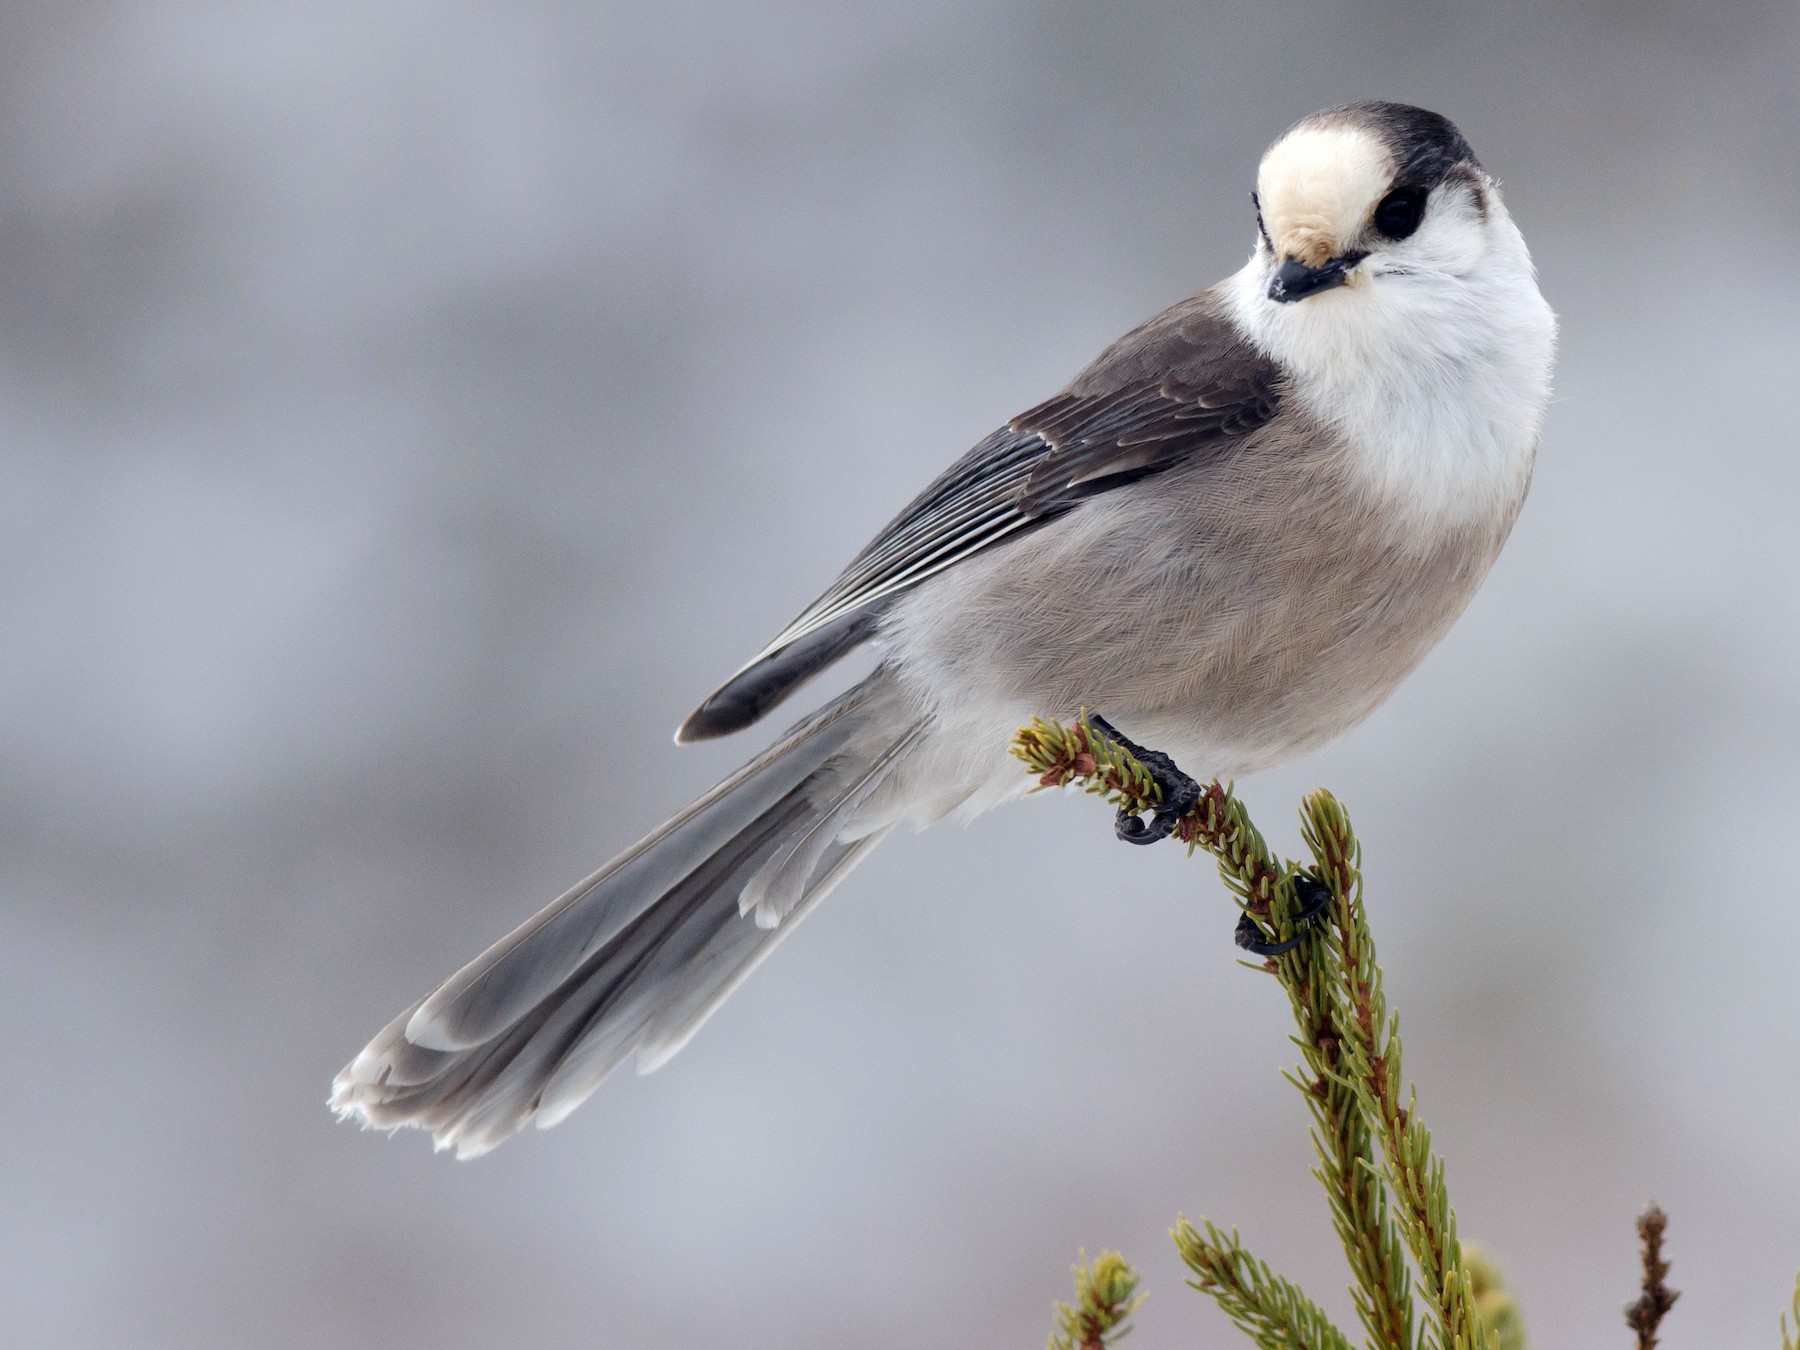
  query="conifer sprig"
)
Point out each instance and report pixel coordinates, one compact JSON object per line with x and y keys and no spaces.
{"x":1351,"y":1051}
{"x":1270,"y":1310}
{"x":1352,"y":1079}
{"x":1060,"y":756}
{"x":1106,"y":1295}
{"x":1346,"y":1168}
{"x":1371,"y":1060}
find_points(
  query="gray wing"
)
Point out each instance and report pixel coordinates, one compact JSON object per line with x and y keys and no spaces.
{"x":1184,"y":384}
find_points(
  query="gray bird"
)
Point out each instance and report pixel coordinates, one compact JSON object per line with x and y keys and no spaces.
{"x":1234,"y":533}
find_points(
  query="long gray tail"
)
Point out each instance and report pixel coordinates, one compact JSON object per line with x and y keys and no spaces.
{"x":636,"y":957}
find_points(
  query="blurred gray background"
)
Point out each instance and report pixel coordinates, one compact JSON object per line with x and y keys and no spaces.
{"x":410,"y":411}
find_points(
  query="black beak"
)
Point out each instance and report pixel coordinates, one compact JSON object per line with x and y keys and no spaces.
{"x":1295,"y":280}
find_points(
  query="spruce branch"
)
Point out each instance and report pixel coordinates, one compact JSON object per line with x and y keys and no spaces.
{"x":1060,"y":756}
{"x":1646,"y":1315}
{"x":1343,"y":1145}
{"x":1269,"y":1309}
{"x":1382,"y":1292}
{"x":1348,"y":1040}
{"x":1342,"y":1141}
{"x":1393,"y":1217}
{"x":1106,"y":1295}
{"x":1264,"y":888}
{"x":1371,"y":1055}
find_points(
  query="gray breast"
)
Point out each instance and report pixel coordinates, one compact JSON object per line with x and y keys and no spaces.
{"x":1251,"y":609}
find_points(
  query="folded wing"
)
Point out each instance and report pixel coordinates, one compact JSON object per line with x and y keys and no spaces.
{"x":1184,"y":384}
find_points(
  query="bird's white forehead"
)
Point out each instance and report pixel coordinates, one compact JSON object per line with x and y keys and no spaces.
{"x":1317,"y":186}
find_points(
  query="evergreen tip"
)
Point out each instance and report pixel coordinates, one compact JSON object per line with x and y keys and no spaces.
{"x":1106,"y":1296}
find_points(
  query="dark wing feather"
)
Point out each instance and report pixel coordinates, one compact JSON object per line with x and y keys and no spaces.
{"x":1184,"y":384}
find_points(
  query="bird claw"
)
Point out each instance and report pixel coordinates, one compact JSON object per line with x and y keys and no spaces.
{"x":1180,"y":794}
{"x":1314,"y":897}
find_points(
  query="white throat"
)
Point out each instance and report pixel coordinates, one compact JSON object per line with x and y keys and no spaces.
{"x":1438,"y":382}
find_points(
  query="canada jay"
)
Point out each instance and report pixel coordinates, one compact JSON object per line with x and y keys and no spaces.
{"x":1234,"y":534}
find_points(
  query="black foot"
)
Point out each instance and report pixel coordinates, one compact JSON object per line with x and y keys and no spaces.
{"x":1314,"y":896}
{"x":1180,"y":794}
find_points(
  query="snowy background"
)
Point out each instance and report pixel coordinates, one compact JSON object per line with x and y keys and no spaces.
{"x":409,"y":412}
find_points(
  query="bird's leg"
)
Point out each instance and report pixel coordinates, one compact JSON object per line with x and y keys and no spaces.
{"x":1180,"y":794}
{"x":1313,"y":895}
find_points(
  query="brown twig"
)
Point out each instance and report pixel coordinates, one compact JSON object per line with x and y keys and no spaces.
{"x":1646,"y":1315}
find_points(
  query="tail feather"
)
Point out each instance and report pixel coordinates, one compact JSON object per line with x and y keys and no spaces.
{"x":642,"y":952}
{"x":781,"y":882}
{"x":735,"y":951}
{"x":492,"y":991}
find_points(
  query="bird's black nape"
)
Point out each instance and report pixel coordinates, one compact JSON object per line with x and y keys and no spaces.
{"x":1425,"y":146}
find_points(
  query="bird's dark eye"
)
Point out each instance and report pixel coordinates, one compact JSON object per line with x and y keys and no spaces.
{"x":1400,"y":212}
